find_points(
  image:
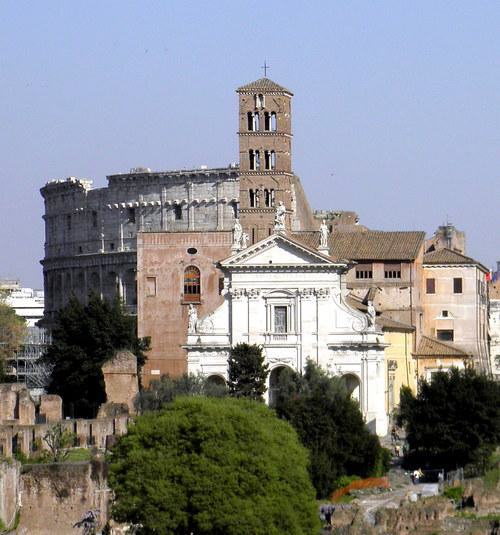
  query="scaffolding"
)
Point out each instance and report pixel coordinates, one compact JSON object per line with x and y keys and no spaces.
{"x":27,"y":365}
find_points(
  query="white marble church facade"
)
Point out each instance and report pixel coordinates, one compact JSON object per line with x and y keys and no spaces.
{"x":290,"y":300}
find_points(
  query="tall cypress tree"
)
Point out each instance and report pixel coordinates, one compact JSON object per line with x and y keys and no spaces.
{"x":247,"y":372}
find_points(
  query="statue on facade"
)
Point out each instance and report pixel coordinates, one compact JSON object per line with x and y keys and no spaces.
{"x":371,"y":315}
{"x":237,"y":233}
{"x":279,"y":218}
{"x":192,"y":318}
{"x":244,"y":240}
{"x":323,"y":235}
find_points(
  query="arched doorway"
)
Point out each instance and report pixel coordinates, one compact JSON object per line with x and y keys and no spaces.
{"x":216,"y":380}
{"x":353,"y":386}
{"x":215,"y":386}
{"x":274,"y":378}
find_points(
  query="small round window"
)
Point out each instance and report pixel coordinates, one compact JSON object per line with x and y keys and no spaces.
{"x":192,"y":250}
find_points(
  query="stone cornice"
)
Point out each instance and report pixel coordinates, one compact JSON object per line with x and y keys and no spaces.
{"x":90,"y":260}
{"x":352,"y":345}
{"x":269,"y":172}
{"x":258,"y":133}
{"x":240,"y":257}
{"x":284,"y":268}
{"x":206,"y":346}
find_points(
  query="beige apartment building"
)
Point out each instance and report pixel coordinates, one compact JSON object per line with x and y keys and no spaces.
{"x":455,"y":320}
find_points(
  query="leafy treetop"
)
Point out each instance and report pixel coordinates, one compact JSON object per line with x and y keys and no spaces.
{"x":12,"y":334}
{"x":453,"y":421}
{"x":330,"y":424}
{"x":213,"y":467}
{"x":84,"y":338}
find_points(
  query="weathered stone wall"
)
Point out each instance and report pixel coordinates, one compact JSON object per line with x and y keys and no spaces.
{"x":51,"y":407}
{"x":9,"y":491}
{"x":56,"y":496}
{"x":90,"y":234}
{"x":88,"y":433}
{"x":9,"y":401}
{"x":120,"y":378}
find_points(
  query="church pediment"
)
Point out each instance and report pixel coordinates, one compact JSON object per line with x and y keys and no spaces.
{"x":278,"y":250}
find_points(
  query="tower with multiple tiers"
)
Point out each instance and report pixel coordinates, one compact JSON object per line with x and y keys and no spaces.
{"x":265,"y":146}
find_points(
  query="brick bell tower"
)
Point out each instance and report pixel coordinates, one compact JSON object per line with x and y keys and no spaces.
{"x":265,"y":139}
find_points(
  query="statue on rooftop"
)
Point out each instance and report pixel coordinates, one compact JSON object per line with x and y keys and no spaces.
{"x":237,"y":233}
{"x":279,"y":218}
{"x":323,"y":235}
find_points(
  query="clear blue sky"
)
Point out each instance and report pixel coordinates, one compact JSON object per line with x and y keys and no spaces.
{"x":396,"y":111}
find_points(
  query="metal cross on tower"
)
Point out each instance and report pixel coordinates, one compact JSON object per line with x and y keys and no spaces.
{"x":265,"y":67}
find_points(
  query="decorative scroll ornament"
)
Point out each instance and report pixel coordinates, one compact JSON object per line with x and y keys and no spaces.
{"x":237,"y":293}
{"x":323,"y":293}
{"x":253,"y":293}
{"x":306,"y":293}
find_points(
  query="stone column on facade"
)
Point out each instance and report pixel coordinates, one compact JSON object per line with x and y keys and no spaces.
{"x":120,"y":286}
{"x":102,"y":249}
{"x":190,"y":186}
{"x":238,"y":316}
{"x":308,"y":325}
{"x":254,"y":315}
{"x":100,"y":281}
{"x":323,"y":307}
{"x":220,"y":208}
{"x":120,"y":228}
{"x":141,"y":212}
{"x":374,"y":385}
{"x":164,"y":225}
{"x":72,"y":287}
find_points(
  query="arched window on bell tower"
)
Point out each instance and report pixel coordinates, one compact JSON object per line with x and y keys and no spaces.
{"x":257,"y":160}
{"x":251,"y":156}
{"x":253,"y":121}
{"x":273,"y":122}
{"x":267,"y":159}
{"x":260,"y":101}
{"x":269,"y":197}
{"x":256,"y":121}
{"x":267,"y":121}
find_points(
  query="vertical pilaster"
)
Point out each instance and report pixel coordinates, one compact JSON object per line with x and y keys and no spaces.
{"x":190,"y":187}
{"x":164,"y":224}
{"x":220,"y":208}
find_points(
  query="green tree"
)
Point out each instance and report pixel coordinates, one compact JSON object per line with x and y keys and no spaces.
{"x":212,"y":467}
{"x":58,"y":441}
{"x":247,"y":371}
{"x":453,"y":421}
{"x":168,"y":388}
{"x":12,"y":334}
{"x":330,"y":424}
{"x":84,"y":338}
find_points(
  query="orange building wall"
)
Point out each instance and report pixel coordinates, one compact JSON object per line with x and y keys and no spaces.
{"x":164,"y":316}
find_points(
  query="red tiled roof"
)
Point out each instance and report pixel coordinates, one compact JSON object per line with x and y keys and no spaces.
{"x":368,"y":244}
{"x":430,"y":347}
{"x":447,"y":256}
{"x":265,"y":85}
